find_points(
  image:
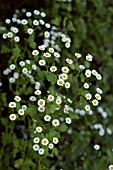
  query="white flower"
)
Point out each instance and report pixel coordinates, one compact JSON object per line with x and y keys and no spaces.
{"x":53,"y":68}
{"x":24,"y":70}
{"x":94,"y":72}
{"x":41,"y":47}
{"x":28,"y":14}
{"x":68,"y":120}
{"x":41,"y":102}
{"x":16,"y":75}
{"x":9,"y":34}
{"x":17,"y":39}
{"x":89,"y":57}
{"x":55,"y":140}
{"x":51,"y":50}
{"x":34,"y":67}
{"x":86,"y":85}
{"x":30,"y":30}
{"x":110,"y":167}
{"x":46,"y":34}
{"x":109,"y":131}
{"x":41,"y":151}
{"x":47,"y":55}
{"x":43,"y":14}
{"x":77,"y":55}
{"x":51,"y":146}
{"x":97,"y":147}
{"x":24,"y":22}
{"x":47,"y":25}
{"x":101,"y":132}
{"x":98,"y":96}
{"x":12,"y":117}
{"x":67,"y":85}
{"x":82,"y":67}
{"x":4,"y":36}
{"x":24,"y":107}
{"x":64,"y":76}
{"x":60,"y":82}
{"x":56,"y":54}
{"x":42,"y":62}
{"x":88,"y":96}
{"x":35,"y":22}
{"x":58,"y":101}
{"x":55,"y":122}
{"x":11,"y":80}
{"x":7,"y":21}
{"x":28,"y":61}
{"x":39,"y":129}
{"x":69,"y":61}
{"x":37,"y":92}
{"x":32,"y":98}
{"x":99,"y":90}
{"x":12,"y":104}
{"x":65,"y":69}
{"x":88,"y":73}
{"x":36,"y":147}
{"x":15,"y":30}
{"x":17,"y":98}
{"x":95,"y":102}
{"x":35,"y":52}
{"x":21,"y":112}
{"x":22,"y":63}
{"x":99,"y":77}
{"x":87,"y":107}
{"x":12,"y":66}
{"x":47,"y":118}
{"x":67,"y":45}
{"x":41,"y":109}
{"x":36,"y":140}
{"x":45,"y":141}
{"x":50,"y":98}
{"x":36,"y":12}
{"x":41,"y":22}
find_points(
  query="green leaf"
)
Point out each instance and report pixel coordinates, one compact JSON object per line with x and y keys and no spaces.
{"x":31,"y":41}
{"x":31,"y":110}
{"x":51,"y":77}
{"x":56,"y":21}
{"x":5,"y":49}
{"x":73,"y":116}
{"x":50,"y":108}
{"x":63,"y":127}
{"x":16,"y":52}
{"x":55,"y":151}
{"x":30,"y":22}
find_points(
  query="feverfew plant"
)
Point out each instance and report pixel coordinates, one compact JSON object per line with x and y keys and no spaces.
{"x":42,"y":79}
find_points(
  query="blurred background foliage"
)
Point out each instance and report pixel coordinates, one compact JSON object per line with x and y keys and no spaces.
{"x":89,"y":23}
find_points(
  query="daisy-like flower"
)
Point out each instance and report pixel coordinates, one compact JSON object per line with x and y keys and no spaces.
{"x":28,"y":14}
{"x":43,"y":14}
{"x":110,"y":167}
{"x":67,"y":85}
{"x":12,"y":66}
{"x":67,"y":45}
{"x":41,"y":109}
{"x":51,"y":146}
{"x":47,"y":25}
{"x":42,"y":62}
{"x":50,"y":98}
{"x":58,"y":101}
{"x":28,"y":61}
{"x":17,"y":98}
{"x":99,"y":90}
{"x":87,"y":107}
{"x":15,"y":30}
{"x":47,"y":55}
{"x":35,"y":147}
{"x":94,"y":72}
{"x":82,"y":67}
{"x":41,"y":151}
{"x":51,"y":50}
{"x":11,"y":80}
{"x":86,"y":85}
{"x":55,"y":140}
{"x":96,"y":147}
{"x":37,"y":85}
{"x":7,"y":21}
{"x":32,"y":98}
{"x":4,"y":36}
{"x":95,"y":102}
{"x":36,"y":12}
{"x":88,"y":96}
{"x":39,"y":129}
{"x":41,"y":22}
{"x":99,"y":77}
{"x":60,"y":82}
{"x":24,"y":107}
{"x":21,"y":112}
{"x":9,"y":34}
{"x":24,"y":22}
{"x":77,"y":55}
{"x":12,"y":117}
{"x":41,"y":102}
{"x":34,"y":67}
{"x":41,"y":47}
{"x":65,"y":69}
{"x":68,"y":120}
{"x":46,"y":34}
{"x":56,"y":54}
{"x":35,"y":52}
{"x":45,"y":141}
{"x":22,"y":63}
{"x":55,"y":122}
{"x":30,"y":30}
{"x":98,"y":96}
{"x":36,"y":140}
{"x":37,"y":92}
{"x":89,"y":57}
{"x":47,"y":118}
{"x":25,"y":70}
{"x":53,"y":68}
{"x":17,"y":39}
{"x":69,"y":61}
{"x":88,"y":73}
{"x":64,"y":76}
{"x":16,"y":75}
{"x":35,"y":22}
